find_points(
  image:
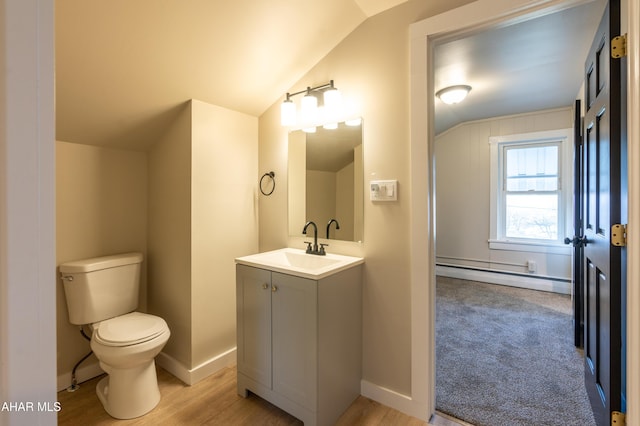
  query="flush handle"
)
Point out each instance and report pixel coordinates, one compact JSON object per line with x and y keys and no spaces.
{"x":67,"y":277}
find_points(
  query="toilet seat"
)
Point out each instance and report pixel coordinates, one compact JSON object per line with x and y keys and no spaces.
{"x":129,"y":329}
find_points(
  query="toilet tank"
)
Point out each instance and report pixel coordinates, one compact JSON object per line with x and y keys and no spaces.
{"x":101,"y":287}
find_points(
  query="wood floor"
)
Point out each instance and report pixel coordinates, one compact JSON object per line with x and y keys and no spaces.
{"x":214,"y":401}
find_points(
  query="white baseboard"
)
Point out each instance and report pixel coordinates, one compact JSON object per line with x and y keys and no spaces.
{"x":522,"y":281}
{"x":86,"y":372}
{"x":92,"y":369}
{"x":403,"y":403}
{"x":194,"y":375}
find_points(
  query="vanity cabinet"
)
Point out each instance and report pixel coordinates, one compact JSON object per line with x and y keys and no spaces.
{"x":300,"y":341}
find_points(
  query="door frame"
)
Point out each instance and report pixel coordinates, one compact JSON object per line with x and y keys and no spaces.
{"x":578,"y":207}
{"x":480,"y":15}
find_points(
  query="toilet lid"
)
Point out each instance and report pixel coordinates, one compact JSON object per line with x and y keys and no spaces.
{"x":129,"y":329}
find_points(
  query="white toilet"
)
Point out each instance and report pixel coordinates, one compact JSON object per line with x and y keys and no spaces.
{"x":103,"y":293}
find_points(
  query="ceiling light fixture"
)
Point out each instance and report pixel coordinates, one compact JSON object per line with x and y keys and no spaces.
{"x":453,"y":94}
{"x":311,"y":114}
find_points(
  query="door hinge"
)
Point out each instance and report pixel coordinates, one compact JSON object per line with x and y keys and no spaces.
{"x":619,"y":235}
{"x":617,"y":418}
{"x":619,"y":46}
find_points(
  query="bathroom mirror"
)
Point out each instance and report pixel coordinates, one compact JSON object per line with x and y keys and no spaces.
{"x":326,"y":181}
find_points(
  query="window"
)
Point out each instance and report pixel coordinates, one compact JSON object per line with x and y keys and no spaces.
{"x":531,"y":189}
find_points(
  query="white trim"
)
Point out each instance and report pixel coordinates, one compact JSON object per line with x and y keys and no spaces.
{"x":511,"y":280}
{"x":27,"y":210}
{"x":490,"y":119}
{"x":194,"y":375}
{"x":475,"y":15}
{"x":389,"y":398}
{"x":83,"y":373}
{"x":633,"y":228}
{"x":173,"y":366}
{"x":496,"y":225}
{"x":533,"y":247}
{"x":534,"y":137}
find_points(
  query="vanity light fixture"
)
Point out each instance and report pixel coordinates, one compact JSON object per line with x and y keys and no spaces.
{"x":310,"y":112}
{"x":453,"y":94}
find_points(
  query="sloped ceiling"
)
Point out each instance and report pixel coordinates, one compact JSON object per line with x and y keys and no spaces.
{"x":124,"y":68}
{"x":532,"y":65}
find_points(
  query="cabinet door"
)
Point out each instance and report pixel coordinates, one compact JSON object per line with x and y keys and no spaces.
{"x":253,"y":299}
{"x":294,"y":328}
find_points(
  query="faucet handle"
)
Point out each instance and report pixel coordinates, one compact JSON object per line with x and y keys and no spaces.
{"x":309,"y":249}
{"x":322,"y":245}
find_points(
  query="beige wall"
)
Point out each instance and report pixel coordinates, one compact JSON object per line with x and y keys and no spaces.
{"x":224,"y":221}
{"x":371,"y":68}
{"x":344,"y":203}
{"x":463,"y":180}
{"x":331,"y":196}
{"x":321,"y":197}
{"x":202,"y":215}
{"x":101,"y":209}
{"x":359,"y":193}
{"x":328,"y":195}
{"x":297,"y":176}
{"x":170,"y":234}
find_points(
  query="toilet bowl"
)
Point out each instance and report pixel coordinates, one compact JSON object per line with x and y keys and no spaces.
{"x":126,"y":347}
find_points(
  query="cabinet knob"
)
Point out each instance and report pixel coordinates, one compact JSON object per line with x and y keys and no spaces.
{"x":274,"y":288}
{"x":265,"y":286}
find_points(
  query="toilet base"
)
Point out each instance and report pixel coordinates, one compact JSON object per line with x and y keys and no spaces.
{"x":129,"y":393}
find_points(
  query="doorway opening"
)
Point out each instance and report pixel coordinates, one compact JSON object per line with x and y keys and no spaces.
{"x":470,"y":244}
{"x":472,"y":18}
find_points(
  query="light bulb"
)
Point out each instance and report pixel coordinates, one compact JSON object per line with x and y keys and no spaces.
{"x":288,"y":113}
{"x":332,"y":99}
{"x":309,"y":108}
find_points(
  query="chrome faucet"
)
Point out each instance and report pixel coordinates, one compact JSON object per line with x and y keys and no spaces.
{"x":314,"y":249}
{"x":329,"y":225}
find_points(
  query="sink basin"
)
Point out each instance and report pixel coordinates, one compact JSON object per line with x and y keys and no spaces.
{"x":297,"y":262}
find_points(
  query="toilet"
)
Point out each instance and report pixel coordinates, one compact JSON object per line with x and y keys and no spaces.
{"x":102,"y":292}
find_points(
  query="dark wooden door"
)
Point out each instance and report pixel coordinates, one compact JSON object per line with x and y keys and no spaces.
{"x":602,"y":208}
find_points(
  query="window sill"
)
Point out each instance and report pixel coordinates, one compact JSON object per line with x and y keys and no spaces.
{"x":535,"y":247}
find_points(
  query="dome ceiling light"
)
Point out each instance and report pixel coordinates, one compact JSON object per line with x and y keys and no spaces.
{"x":453,"y":94}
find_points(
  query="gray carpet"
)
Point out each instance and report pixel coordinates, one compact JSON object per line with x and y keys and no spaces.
{"x":505,"y":356}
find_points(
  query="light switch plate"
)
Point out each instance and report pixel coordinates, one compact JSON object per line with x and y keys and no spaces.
{"x":383,"y":190}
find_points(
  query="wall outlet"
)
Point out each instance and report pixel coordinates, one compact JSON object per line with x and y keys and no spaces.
{"x":531,"y":266}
